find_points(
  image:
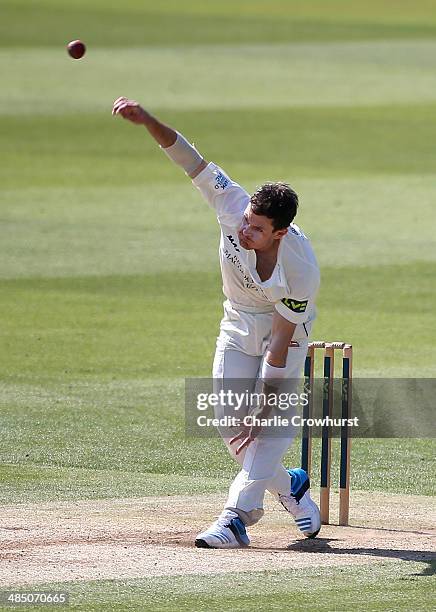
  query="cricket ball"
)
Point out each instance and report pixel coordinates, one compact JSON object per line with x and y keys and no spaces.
{"x":76,"y":49}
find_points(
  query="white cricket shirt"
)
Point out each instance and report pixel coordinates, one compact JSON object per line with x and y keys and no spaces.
{"x":294,"y":283}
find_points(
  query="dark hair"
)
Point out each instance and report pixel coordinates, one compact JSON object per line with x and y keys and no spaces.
{"x":277,"y":201}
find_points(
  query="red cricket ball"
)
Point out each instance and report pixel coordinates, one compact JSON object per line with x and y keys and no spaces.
{"x":76,"y":48}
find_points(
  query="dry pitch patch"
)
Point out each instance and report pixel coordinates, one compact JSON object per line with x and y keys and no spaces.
{"x":136,"y":538}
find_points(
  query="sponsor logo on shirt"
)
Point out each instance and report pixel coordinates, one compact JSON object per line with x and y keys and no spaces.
{"x":247,"y":280}
{"x":233,"y":241}
{"x":295,"y":305}
{"x":221,"y":181}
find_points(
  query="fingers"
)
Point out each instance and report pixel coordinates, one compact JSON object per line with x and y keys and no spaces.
{"x":120,"y":99}
{"x":239,"y":436}
{"x":125,"y":107}
{"x":248,"y":440}
{"x":117,"y":104}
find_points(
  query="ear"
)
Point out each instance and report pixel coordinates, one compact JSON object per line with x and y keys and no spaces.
{"x":278,"y":234}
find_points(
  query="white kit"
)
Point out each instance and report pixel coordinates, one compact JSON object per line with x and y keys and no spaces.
{"x":246,"y":327}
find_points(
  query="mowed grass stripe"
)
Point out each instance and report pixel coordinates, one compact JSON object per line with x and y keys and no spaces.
{"x":377,"y":586}
{"x":98,"y":150}
{"x":33,"y":482}
{"x":154,"y":227}
{"x":221,"y":77}
{"x":93,"y":370}
{"x":45,"y":23}
{"x":143,"y":325}
{"x":124,"y":431}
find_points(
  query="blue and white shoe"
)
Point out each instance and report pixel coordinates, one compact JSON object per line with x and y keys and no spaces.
{"x":228,"y":531}
{"x":300,"y":505}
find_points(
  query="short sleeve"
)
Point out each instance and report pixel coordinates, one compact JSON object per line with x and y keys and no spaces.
{"x":294,"y":310}
{"x":227,"y":198}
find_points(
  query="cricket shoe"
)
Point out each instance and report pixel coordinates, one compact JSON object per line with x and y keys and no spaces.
{"x":300,"y":505}
{"x":228,"y":531}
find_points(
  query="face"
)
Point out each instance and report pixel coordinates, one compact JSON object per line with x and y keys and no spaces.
{"x":257,"y":232}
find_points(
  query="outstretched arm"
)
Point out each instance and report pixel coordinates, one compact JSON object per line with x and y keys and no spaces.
{"x":174,"y":144}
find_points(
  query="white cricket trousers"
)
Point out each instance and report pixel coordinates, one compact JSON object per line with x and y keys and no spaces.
{"x":261,"y":461}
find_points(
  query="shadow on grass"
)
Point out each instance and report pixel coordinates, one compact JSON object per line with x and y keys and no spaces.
{"x":322,"y":545}
{"x":412,"y":531}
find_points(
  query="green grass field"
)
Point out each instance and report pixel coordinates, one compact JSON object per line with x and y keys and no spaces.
{"x":110,"y":293}
{"x":316,"y":590}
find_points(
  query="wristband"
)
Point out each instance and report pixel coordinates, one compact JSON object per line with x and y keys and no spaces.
{"x":183,"y":154}
{"x":269,"y":372}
